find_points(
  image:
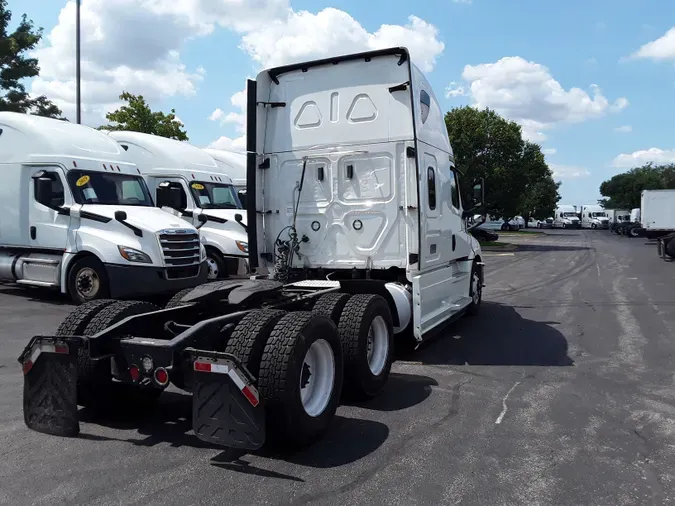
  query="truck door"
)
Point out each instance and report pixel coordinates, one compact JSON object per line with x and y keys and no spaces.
{"x":46,"y":227}
{"x":430,"y":213}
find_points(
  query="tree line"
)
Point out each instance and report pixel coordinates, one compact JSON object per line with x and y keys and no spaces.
{"x":485,"y":145}
{"x":623,"y":191}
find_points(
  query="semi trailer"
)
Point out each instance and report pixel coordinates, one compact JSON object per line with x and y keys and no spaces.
{"x":354,"y":209}
{"x":78,"y":217}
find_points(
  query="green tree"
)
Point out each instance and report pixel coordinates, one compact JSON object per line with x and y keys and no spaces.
{"x":137,"y":116}
{"x":15,"y":67}
{"x":623,"y":191}
{"x":518,"y":180}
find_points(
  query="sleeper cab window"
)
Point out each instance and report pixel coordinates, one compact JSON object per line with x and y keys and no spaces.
{"x":425,"y":105}
{"x":431,"y":185}
{"x":454,"y":192}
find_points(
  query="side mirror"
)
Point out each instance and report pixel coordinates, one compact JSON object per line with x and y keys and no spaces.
{"x":120,"y":215}
{"x":242,"y":197}
{"x":202,"y":218}
{"x":169,"y":196}
{"x":478,"y":193}
{"x":238,"y":217}
{"x":43,"y":191}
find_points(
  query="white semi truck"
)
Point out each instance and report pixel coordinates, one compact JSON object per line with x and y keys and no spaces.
{"x":354,"y":204}
{"x":594,"y":216}
{"x":77,"y":216}
{"x":234,"y":165}
{"x":566,"y":216}
{"x":188,"y":182}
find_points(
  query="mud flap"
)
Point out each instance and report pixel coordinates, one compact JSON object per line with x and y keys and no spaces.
{"x":50,"y":385}
{"x":226,"y":407}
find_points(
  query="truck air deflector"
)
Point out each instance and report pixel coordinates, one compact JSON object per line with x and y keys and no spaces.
{"x":251,"y":155}
{"x":402,"y":52}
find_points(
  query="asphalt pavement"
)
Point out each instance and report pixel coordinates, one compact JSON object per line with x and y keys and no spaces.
{"x":559,"y":392}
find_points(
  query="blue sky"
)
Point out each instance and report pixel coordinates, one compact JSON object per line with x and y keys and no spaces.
{"x":556,"y":46}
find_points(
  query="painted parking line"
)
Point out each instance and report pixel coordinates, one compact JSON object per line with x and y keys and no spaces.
{"x":498,"y":254}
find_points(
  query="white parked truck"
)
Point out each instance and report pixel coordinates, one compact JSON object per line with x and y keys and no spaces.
{"x":566,"y":217}
{"x":617,"y":215}
{"x":594,"y":216}
{"x":354,"y":203}
{"x":187,"y":181}
{"x":77,"y":216}
{"x":234,"y":165}
{"x":656,"y":215}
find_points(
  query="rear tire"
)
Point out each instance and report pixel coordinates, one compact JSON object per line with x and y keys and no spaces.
{"x":175,"y":301}
{"x":301,"y":357}
{"x":331,"y":305}
{"x":87,"y":280}
{"x":94,"y":378}
{"x":249,"y":338}
{"x":367,"y":336}
{"x":78,"y":319}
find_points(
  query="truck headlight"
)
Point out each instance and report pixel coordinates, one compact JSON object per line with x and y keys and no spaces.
{"x":202,"y":253}
{"x":134,"y":255}
{"x":243,"y":246}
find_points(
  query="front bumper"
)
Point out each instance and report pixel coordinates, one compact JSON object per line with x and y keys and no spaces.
{"x":135,"y":280}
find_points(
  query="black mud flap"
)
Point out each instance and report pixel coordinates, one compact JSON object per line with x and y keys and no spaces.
{"x":226,"y":407}
{"x":50,"y":385}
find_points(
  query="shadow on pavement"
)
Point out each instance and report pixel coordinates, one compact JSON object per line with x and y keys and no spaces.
{"x":403,"y":391}
{"x":549,"y":247}
{"x":497,"y":335}
{"x":35,"y":294}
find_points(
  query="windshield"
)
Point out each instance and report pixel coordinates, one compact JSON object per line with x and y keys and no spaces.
{"x":93,"y":187}
{"x":215,"y":195}
{"x":570,"y":215}
{"x":599,"y":215}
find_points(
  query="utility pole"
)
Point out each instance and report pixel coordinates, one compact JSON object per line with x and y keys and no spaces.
{"x":78,"y":99}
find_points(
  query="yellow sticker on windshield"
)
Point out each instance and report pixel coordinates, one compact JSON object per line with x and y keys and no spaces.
{"x":82,"y":181}
{"x":198,"y":186}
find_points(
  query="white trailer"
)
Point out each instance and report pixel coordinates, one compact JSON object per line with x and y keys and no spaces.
{"x":188,"y":182}
{"x":618,"y":215}
{"x":566,"y":216}
{"x":354,"y":203}
{"x":594,"y":216}
{"x":656,"y":215}
{"x":77,"y":216}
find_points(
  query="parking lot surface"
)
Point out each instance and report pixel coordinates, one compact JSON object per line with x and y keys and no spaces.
{"x":560,"y":391}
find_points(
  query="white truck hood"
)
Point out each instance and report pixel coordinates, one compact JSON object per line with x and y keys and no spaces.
{"x":150,"y":219}
{"x":227,"y":214}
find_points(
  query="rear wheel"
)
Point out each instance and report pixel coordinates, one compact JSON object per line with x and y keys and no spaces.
{"x":367,"y":335}
{"x":176,"y":300}
{"x":94,"y":378}
{"x":300,"y":378}
{"x":634,"y":232}
{"x":331,"y":305}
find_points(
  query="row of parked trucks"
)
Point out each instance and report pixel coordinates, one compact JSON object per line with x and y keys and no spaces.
{"x":355,"y":233}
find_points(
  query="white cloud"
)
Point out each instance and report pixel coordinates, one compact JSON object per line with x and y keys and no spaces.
{"x":549,"y":151}
{"x":229,"y":144}
{"x":660,"y":49}
{"x":527,"y":93}
{"x":624,"y":129}
{"x":454,"y":90}
{"x":568,"y":171}
{"x":303,"y":35}
{"x":216,"y":115}
{"x":640,"y":158}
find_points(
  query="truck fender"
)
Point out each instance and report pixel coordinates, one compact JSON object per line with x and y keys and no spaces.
{"x":68,"y":259}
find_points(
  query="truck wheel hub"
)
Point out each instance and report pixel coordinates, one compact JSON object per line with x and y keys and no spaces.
{"x":213,"y":268}
{"x":87,"y":282}
{"x":377,"y":345}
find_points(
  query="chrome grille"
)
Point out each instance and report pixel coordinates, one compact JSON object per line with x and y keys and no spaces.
{"x":180,"y":247}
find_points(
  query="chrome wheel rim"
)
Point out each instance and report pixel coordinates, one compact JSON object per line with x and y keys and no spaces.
{"x":378,"y":345}
{"x":87,"y":283}
{"x":214,"y":271}
{"x":317,"y":378}
{"x":476,"y":288}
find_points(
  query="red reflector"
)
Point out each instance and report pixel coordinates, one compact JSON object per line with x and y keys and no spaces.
{"x":27,"y":366}
{"x":61,"y":348}
{"x":161,"y":376}
{"x":252,"y":398}
{"x":135,"y":373}
{"x":202,"y":366}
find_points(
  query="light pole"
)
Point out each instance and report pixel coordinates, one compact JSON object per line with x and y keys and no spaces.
{"x":78,"y":103}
